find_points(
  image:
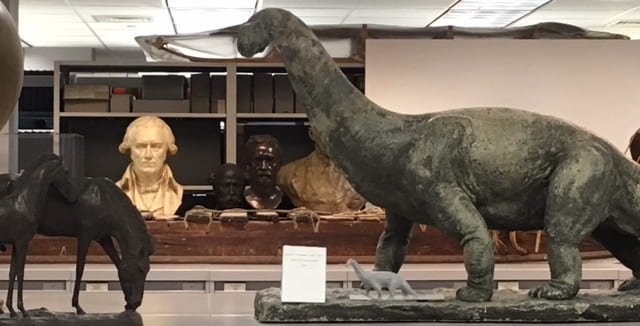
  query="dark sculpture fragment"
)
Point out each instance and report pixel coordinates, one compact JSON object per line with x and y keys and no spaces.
{"x":228,"y":184}
{"x":464,"y":170}
{"x":262,"y":165}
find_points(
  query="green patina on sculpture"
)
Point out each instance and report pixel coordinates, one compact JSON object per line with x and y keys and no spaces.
{"x":465,"y":170}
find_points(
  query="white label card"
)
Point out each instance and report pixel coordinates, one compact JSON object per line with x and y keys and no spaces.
{"x":304,"y":274}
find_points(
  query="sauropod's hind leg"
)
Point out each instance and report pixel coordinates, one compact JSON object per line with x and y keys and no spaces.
{"x":579,"y":194}
{"x":625,"y":247}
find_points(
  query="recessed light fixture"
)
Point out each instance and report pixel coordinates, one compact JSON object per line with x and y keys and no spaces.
{"x":487,"y":13}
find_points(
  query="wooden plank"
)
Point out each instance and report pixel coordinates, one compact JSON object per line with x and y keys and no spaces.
{"x":260,"y":242}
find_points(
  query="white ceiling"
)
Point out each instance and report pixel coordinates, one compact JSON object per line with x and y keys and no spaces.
{"x":77,"y":23}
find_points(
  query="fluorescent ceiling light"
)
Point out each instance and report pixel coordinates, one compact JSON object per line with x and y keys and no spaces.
{"x":487,"y":13}
{"x":211,"y":4}
{"x":193,"y":21}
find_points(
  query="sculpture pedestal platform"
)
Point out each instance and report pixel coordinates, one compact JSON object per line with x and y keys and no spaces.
{"x":42,"y":316}
{"x":506,"y":306}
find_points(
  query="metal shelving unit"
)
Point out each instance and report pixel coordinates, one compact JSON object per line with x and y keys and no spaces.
{"x":64,"y":70}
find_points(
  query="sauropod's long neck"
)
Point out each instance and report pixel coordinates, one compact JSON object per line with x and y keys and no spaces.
{"x":349,"y":127}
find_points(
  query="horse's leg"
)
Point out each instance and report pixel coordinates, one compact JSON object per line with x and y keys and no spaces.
{"x":21,"y":259}
{"x":110,"y":249}
{"x":12,"y":277}
{"x":81,"y":257}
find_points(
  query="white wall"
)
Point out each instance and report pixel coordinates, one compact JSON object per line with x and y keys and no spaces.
{"x":592,"y":83}
{"x":43,"y":58}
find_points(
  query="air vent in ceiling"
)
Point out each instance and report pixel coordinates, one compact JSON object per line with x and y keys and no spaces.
{"x":122,"y":19}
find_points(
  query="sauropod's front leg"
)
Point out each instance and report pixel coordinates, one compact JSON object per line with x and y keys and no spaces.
{"x":393,"y":243}
{"x":577,"y":202}
{"x":456,"y":215}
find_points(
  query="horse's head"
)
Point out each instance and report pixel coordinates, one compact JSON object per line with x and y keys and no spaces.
{"x":132,"y":274}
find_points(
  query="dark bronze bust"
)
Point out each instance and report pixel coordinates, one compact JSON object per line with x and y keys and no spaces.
{"x":263,"y":159}
{"x":228,"y":183}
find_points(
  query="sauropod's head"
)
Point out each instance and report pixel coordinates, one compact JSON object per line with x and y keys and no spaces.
{"x":259,"y":31}
{"x":351,"y":262}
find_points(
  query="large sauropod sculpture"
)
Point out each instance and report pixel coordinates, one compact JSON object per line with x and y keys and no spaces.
{"x":11,"y":65}
{"x":464,"y":170}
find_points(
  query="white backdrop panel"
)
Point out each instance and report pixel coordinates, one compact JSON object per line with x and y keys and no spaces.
{"x":592,"y":83}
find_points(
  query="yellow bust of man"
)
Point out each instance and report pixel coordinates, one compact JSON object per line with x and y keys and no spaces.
{"x":148,"y":180}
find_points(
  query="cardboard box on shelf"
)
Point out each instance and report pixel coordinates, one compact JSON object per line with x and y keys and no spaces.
{"x":200,"y":85}
{"x":218,"y":93}
{"x":86,"y":106}
{"x":169,"y":87}
{"x":120,"y":103}
{"x":86,"y":92}
{"x":160,"y":106}
{"x":199,"y":104}
{"x":283,"y":94}
{"x":299,"y":106}
{"x":243,"y":104}
{"x":262,"y":93}
{"x":221,"y":106}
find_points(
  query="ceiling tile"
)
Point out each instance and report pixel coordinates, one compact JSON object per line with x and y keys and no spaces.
{"x":413,"y":4}
{"x":400,"y":13}
{"x":319,"y":12}
{"x":212,"y":15}
{"x":88,"y":13}
{"x":285,"y":4}
{"x":66,"y":42}
{"x":118,"y":3}
{"x":588,"y":17}
{"x":49,"y":19}
{"x":591,"y":5}
{"x":322,"y":20}
{"x":627,"y":15}
{"x":119,"y":42}
{"x":245,"y":4}
{"x":407,"y":22}
{"x":631,"y":32}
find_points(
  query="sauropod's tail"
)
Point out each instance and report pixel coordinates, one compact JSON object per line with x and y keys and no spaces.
{"x":406,"y":288}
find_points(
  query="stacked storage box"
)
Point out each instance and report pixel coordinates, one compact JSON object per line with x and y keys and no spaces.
{"x":163,"y":94}
{"x":200,"y":93}
{"x":86,"y":98}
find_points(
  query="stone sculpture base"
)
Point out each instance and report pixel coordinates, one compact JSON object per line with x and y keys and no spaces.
{"x":42,"y":316}
{"x":506,"y":306}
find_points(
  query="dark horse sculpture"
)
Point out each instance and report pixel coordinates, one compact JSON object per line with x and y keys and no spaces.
{"x":102,"y":212}
{"x":20,"y":212}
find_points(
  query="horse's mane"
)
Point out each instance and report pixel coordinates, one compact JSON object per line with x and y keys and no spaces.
{"x":39,"y":161}
{"x":130,"y":213}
